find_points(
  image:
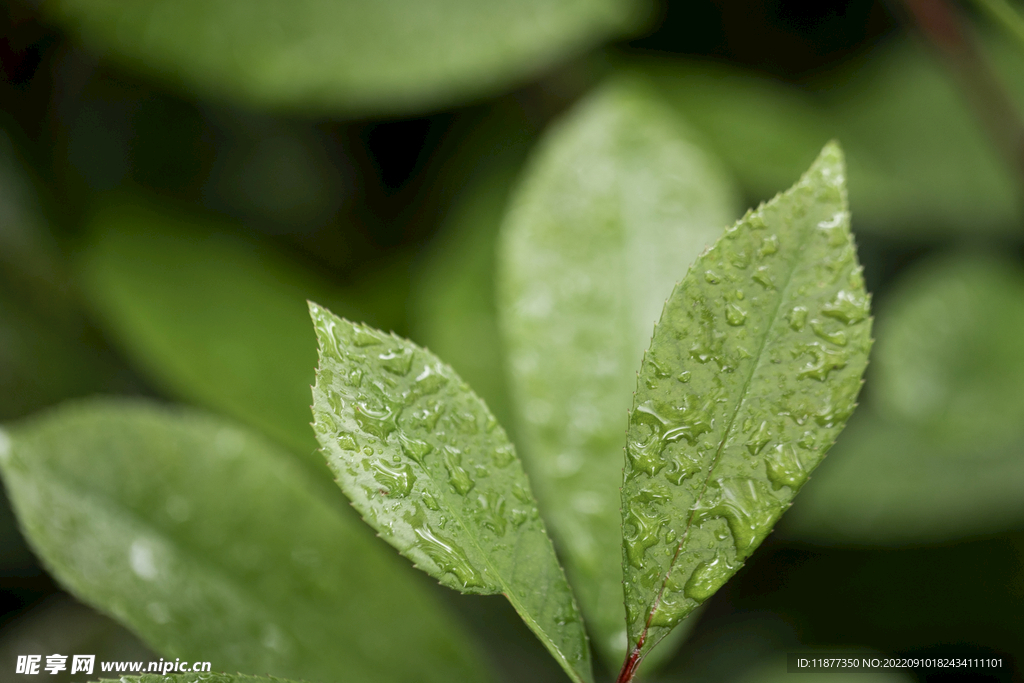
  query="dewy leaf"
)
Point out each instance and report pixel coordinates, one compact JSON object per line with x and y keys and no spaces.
{"x":428,"y":466}
{"x":213,"y":318}
{"x":207,"y":541}
{"x":614,"y":208}
{"x":355,"y":56}
{"x":752,"y":372}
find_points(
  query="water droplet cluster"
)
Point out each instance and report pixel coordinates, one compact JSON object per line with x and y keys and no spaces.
{"x":752,"y":372}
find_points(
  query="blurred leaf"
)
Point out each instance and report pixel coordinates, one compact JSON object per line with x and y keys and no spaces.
{"x":892,"y":484}
{"x":62,"y":625}
{"x":752,"y":372}
{"x":208,"y":543}
{"x":214,"y":318}
{"x":947,"y":425}
{"x":614,"y":206}
{"x":355,"y":57}
{"x":427,"y":465}
{"x":948,"y":359}
{"x":919,"y":163}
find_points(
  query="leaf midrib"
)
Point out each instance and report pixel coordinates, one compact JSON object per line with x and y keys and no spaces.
{"x":728,"y":430}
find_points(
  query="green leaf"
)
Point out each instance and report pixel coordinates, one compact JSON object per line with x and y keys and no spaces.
{"x":428,"y":466}
{"x":751,"y":374}
{"x":615,"y":205}
{"x":946,"y":415}
{"x":356,"y":56}
{"x":213,"y":318}
{"x":207,"y":541}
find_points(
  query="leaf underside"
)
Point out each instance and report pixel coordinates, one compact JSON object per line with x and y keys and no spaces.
{"x":428,"y":466}
{"x":207,"y":542}
{"x":751,"y":374}
{"x":615,"y":206}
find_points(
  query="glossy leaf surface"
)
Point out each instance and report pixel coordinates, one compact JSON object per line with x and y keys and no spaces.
{"x":751,"y":374}
{"x":211,"y":544}
{"x":428,"y":466}
{"x":356,"y":56}
{"x":213,"y":318}
{"x":614,"y":207}
{"x":945,"y":415}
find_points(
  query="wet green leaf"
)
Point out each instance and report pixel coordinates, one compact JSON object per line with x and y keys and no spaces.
{"x":356,"y":56}
{"x":614,"y":207}
{"x":945,"y":420}
{"x":210,"y":316}
{"x":207,"y":541}
{"x":428,"y":466}
{"x":751,"y":374}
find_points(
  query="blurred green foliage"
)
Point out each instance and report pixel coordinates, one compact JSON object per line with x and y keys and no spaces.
{"x":177,"y":178}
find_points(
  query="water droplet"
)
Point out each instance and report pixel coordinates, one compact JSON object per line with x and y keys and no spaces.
{"x":521,"y":494}
{"x":426,"y":418}
{"x":142,"y":560}
{"x":739,"y":294}
{"x":769,"y":246}
{"x":491,"y":512}
{"x":346,"y":442}
{"x":414,"y":448}
{"x":519,"y":517}
{"x":756,"y":221}
{"x":837,"y":337}
{"x":707,"y":578}
{"x":759,"y":439}
{"x":397,"y":481}
{"x":504,"y":456}
{"x":734,"y":315}
{"x":355,"y":378}
{"x":430,"y":501}
{"x":397,"y":361}
{"x":748,"y":508}
{"x":368,"y":450}
{"x":679,"y":471}
{"x":763,"y":277}
{"x":711,"y":277}
{"x":363,"y":337}
{"x":430,"y":381}
{"x":825,"y":360}
{"x":847,"y":307}
{"x":785,"y":467}
{"x":379,"y":420}
{"x":464,"y":422}
{"x":457,"y":476}
{"x":797,"y":318}
{"x":448,"y":557}
{"x":646,"y":525}
{"x":684,"y":376}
